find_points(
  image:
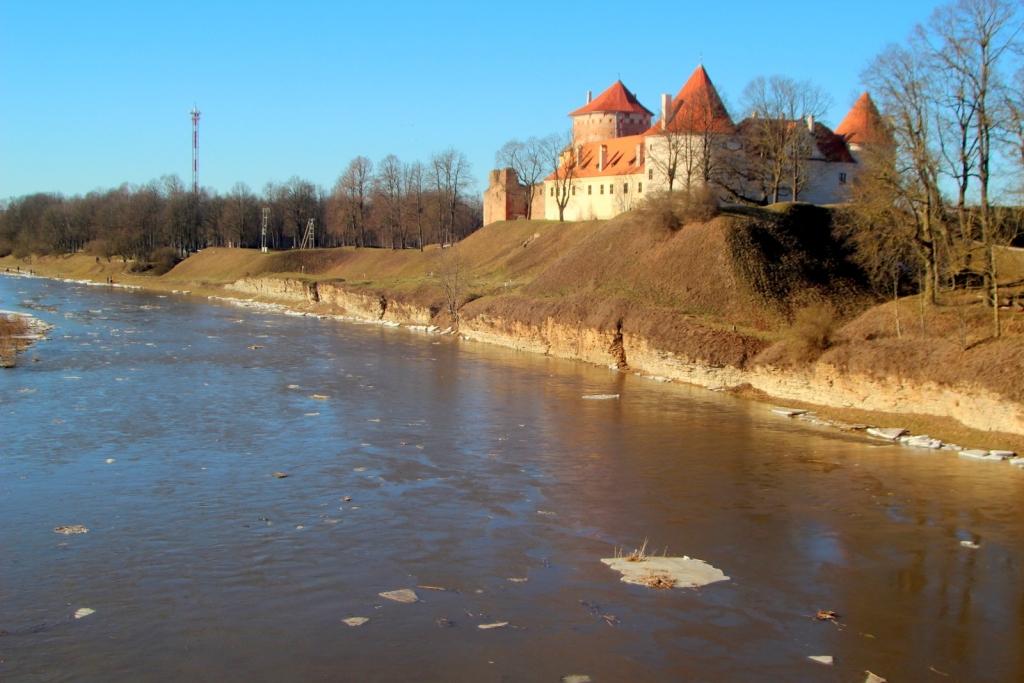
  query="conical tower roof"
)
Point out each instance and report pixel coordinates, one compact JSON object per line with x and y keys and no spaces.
{"x":863,"y":124}
{"x":697,"y":106}
{"x":615,"y":99}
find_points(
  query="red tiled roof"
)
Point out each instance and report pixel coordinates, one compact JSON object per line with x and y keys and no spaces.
{"x":832,"y":146}
{"x":619,"y":159}
{"x":697,"y":105}
{"x":616,"y":99}
{"x":863,"y":124}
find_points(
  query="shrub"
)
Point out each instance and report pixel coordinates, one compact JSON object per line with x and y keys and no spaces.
{"x":11,"y":327}
{"x":99,"y":248}
{"x":164,"y":259}
{"x":811,"y":332}
{"x":673,"y":210}
{"x":700,"y":204}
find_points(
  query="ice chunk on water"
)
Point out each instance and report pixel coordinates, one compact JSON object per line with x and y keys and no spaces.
{"x":401,"y":595}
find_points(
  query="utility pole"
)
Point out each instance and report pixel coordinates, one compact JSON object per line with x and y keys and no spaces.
{"x":263,"y":238}
{"x":195,"y":144}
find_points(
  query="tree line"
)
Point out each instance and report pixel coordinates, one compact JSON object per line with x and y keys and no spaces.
{"x":935,"y":201}
{"x":392,"y":204}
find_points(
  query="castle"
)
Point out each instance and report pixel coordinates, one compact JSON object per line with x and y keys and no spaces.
{"x":619,"y":154}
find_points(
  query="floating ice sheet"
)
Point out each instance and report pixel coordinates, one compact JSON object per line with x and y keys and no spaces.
{"x":675,"y":572}
{"x":401,"y":595}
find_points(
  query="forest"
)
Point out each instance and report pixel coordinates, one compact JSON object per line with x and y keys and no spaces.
{"x":392,"y":204}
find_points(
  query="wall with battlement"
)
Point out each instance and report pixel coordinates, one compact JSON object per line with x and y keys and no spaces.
{"x":603,"y":125}
{"x":505,"y":197}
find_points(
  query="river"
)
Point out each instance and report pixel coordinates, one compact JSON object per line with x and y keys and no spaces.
{"x":429,"y":461}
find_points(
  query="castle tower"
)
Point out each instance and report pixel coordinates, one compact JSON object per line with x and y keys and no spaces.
{"x":696,"y":108}
{"x":615,"y":113}
{"x":863,"y":125}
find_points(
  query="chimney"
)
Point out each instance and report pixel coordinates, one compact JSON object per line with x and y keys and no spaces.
{"x":590,"y":96}
{"x":600,"y":157}
{"x":638,"y":151}
{"x":810,"y":124}
{"x":666,"y":102}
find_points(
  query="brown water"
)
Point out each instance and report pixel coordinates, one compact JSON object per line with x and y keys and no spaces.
{"x":466,"y":466}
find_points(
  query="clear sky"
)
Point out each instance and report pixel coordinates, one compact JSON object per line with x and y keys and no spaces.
{"x":95,"y":94}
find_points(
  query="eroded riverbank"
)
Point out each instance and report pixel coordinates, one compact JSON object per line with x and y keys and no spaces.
{"x":982,"y":418}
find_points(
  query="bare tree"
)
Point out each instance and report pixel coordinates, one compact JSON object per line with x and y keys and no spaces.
{"x":970,"y":40}
{"x":908,"y":171}
{"x":414,"y":192}
{"x":299,"y":203}
{"x":391,"y":188}
{"x":353,"y":193}
{"x":881,"y":227}
{"x":240,"y":214}
{"x":1013,"y":119}
{"x":670,"y":154}
{"x":563,"y":153}
{"x":449,"y":268}
{"x":778,"y":137}
{"x":688,"y":146}
{"x":530,"y":161}
{"x":450,"y":176}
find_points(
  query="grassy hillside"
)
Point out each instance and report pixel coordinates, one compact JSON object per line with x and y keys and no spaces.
{"x":725,"y":291}
{"x":720,"y":291}
{"x":735,"y":290}
{"x":742,"y":272}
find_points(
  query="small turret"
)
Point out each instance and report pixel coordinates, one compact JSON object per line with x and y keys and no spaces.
{"x":863,"y":125}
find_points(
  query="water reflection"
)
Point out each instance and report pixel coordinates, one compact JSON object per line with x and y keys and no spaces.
{"x":465,"y":466}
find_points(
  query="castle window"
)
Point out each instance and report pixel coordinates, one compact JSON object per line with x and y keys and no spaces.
{"x":650,"y":174}
{"x":639,"y":187}
{"x":602,"y":189}
{"x":573,"y":190}
{"x":611,"y":189}
{"x":590,"y":189}
{"x":842,"y":178}
{"x":552,"y":190}
{"x":625,"y":188}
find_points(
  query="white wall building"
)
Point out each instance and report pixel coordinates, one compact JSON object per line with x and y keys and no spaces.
{"x":619,"y":156}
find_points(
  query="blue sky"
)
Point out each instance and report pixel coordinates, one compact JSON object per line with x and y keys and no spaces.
{"x":96,"y":94}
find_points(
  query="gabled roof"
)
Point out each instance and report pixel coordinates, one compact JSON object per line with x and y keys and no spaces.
{"x":620,"y":158}
{"x":830,"y":145}
{"x":863,"y":124}
{"x":615,"y":99}
{"x":696,"y":106}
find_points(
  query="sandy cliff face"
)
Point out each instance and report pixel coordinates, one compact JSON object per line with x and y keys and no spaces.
{"x":332,"y":297}
{"x":282,"y":289}
{"x":819,"y":384}
{"x":372,"y":307}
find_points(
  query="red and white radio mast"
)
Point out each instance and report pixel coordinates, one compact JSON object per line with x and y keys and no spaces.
{"x":195,"y":143}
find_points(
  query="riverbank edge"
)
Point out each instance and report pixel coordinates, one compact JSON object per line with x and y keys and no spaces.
{"x":990,"y":418}
{"x":36,"y":330}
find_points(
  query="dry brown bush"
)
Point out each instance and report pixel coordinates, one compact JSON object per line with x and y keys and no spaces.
{"x":811,"y":333}
{"x":11,"y":328}
{"x":675,"y":210}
